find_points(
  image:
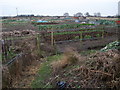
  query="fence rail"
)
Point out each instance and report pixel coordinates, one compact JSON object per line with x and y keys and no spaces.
{"x":53,"y":35}
{"x":14,"y":59}
{"x":10,"y":45}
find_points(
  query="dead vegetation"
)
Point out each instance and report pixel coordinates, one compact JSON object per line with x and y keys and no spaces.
{"x":98,"y":70}
{"x":13,"y":72}
{"x":18,"y":33}
{"x":70,"y":57}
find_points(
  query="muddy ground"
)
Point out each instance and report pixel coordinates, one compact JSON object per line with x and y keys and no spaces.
{"x":87,"y":44}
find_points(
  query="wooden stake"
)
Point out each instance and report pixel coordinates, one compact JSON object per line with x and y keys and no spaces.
{"x":52,"y":39}
{"x":38,"y":43}
{"x":103,"y":33}
{"x":81,"y":37}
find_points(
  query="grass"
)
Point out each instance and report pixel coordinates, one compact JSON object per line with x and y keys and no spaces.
{"x":10,"y":55}
{"x":77,"y":32}
{"x":17,"y":37}
{"x":44,"y":73}
{"x":88,"y":52}
{"x":64,"y":26}
{"x":15,"y":23}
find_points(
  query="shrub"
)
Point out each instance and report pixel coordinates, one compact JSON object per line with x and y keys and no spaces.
{"x":70,"y":56}
{"x":87,"y":37}
{"x":76,"y":37}
{"x":97,"y":35}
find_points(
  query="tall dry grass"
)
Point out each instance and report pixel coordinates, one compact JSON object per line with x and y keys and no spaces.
{"x":70,"y":57}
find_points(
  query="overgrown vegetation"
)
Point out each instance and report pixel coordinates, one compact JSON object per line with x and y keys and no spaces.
{"x":61,"y":27}
{"x":8,"y":55}
{"x":44,"y":73}
{"x":112,"y":45}
{"x":89,"y":69}
{"x":88,"y":52}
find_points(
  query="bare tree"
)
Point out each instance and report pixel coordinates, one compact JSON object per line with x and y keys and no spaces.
{"x":87,"y":14}
{"x":97,"y":14}
{"x":79,"y":14}
{"x":66,"y":14}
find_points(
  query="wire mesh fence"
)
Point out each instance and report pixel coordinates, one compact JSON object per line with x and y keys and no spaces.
{"x":79,"y":34}
{"x":52,"y":36}
{"x":14,"y":45}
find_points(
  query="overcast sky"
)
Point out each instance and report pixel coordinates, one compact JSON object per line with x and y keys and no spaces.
{"x":58,"y":7}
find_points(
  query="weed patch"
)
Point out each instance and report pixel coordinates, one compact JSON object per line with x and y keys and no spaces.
{"x":45,"y":73}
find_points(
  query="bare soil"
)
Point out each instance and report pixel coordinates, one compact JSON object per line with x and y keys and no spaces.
{"x":87,"y":44}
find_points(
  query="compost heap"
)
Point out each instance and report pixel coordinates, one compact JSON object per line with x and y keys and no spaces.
{"x":99,"y":70}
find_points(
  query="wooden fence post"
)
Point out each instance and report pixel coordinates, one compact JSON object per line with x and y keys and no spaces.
{"x":81,"y":36}
{"x":52,"y":39}
{"x":103,"y":32}
{"x":38,"y":43}
{"x":6,"y":49}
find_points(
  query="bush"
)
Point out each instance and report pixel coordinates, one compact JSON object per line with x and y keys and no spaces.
{"x":69,"y":57}
{"x":76,"y":37}
{"x":112,"y":45}
{"x":87,"y":37}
